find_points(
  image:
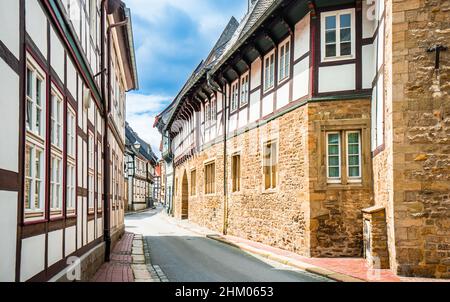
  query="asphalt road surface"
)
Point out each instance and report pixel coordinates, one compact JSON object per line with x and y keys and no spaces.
{"x":186,"y":256}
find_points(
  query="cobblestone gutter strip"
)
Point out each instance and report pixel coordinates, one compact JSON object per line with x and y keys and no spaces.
{"x":287,"y":261}
{"x":142,"y":268}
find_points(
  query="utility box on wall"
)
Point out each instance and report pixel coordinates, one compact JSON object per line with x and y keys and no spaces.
{"x":375,"y":237}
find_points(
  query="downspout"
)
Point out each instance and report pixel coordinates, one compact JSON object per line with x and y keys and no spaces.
{"x":107,"y":222}
{"x":217,"y":88}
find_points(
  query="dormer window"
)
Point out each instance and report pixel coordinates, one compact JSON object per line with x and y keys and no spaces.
{"x":338,"y":35}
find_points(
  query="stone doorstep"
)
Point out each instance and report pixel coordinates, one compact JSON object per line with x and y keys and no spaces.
{"x":137,"y":251}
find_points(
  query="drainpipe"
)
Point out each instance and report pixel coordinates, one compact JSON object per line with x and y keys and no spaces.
{"x":217,"y":88}
{"x":107,"y":110}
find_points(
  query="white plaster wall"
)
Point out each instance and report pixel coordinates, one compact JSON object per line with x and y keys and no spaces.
{"x":219,"y":101}
{"x":301,"y":79}
{"x":9,"y":14}
{"x":72,"y":78}
{"x":99,"y":227}
{"x":85,"y":234}
{"x":368,"y":24}
{"x":302,"y":37}
{"x":57,"y":59}
{"x":70,"y":240}
{"x":55,"y":247}
{"x":255,"y":80}
{"x":220,"y":124}
{"x":337,"y":78}
{"x":91,"y":230}
{"x":8,"y":233}
{"x":232,"y":122}
{"x":33,"y":256}
{"x":368,"y":66}
{"x":243,"y":117}
{"x":9,"y":118}
{"x":36,"y":25}
{"x":267,"y":104}
{"x":255,"y":108}
{"x":283,"y":96}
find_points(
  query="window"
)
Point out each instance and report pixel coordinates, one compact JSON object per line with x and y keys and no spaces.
{"x":56,"y":185}
{"x":270,"y":165}
{"x":354,"y":155}
{"x":284,"y":60}
{"x":244,"y":89}
{"x":236,"y":172}
{"x":34,"y":181}
{"x":269,"y":71}
{"x":347,"y":144}
{"x":71,"y":181}
{"x":176,"y":187}
{"x":193,"y":183}
{"x":338,"y":34}
{"x":35,"y":100}
{"x":71,"y":133}
{"x":56,"y":119}
{"x":210,"y":178}
{"x":207,"y":114}
{"x":234,"y":96}
{"x":334,"y":156}
{"x":213,"y":110}
{"x":91,"y":173}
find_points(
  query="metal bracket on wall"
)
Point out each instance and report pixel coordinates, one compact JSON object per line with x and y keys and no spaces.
{"x":437,"y":49}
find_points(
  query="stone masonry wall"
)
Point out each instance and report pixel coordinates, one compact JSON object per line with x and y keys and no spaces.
{"x":336,"y":216}
{"x":421,"y":138}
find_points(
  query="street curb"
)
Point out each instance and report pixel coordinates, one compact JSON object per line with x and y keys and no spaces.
{"x":294,"y":263}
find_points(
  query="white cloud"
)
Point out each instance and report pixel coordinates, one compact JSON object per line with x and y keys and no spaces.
{"x":141,"y":113}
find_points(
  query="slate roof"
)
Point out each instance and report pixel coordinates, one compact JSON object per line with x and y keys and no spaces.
{"x":231,"y":37}
{"x":146,"y":150}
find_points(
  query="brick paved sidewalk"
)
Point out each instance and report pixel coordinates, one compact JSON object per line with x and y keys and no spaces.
{"x":119,"y":268}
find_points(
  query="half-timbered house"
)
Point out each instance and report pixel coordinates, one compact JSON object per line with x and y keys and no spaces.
{"x":65,"y":66}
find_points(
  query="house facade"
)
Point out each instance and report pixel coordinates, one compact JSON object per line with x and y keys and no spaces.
{"x":65,"y":67}
{"x":292,"y":132}
{"x":141,"y":167}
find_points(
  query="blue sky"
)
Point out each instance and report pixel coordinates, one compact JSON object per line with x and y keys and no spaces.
{"x":171,"y":38}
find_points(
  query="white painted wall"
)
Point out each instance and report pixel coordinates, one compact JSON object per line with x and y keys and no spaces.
{"x":232,"y":122}
{"x":58,"y":54}
{"x":368,"y":19}
{"x":301,"y":79}
{"x":36,"y":25}
{"x":33,"y":256}
{"x":91,"y":231}
{"x":9,"y":14}
{"x":243,"y":117}
{"x":99,"y":227}
{"x":70,"y":240}
{"x":255,"y":107}
{"x":283,"y":96}
{"x":9,"y":118}
{"x":255,"y":80}
{"x":79,"y":220}
{"x":55,"y":244}
{"x":8,"y":233}
{"x":302,"y":37}
{"x":368,"y":66}
{"x":267,"y":104}
{"x":337,"y":78}
{"x":72,"y":79}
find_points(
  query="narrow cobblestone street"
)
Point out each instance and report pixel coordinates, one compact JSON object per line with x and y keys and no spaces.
{"x":178,"y":254}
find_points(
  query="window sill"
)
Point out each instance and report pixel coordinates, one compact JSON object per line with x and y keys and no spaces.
{"x":337,"y":59}
{"x":268,"y":90}
{"x":210,"y":195}
{"x":284,"y":80}
{"x":269,"y":191}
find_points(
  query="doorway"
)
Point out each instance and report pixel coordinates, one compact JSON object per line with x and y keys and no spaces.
{"x":184,"y":197}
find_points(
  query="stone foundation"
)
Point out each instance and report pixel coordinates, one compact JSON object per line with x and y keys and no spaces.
{"x":375,"y":238}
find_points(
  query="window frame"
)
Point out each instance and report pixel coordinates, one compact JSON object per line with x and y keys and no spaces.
{"x":193,"y":188}
{"x":273,"y":186}
{"x":334,"y":180}
{"x":236,"y":173}
{"x":353,"y":179}
{"x":210,"y":185}
{"x":244,"y":93}
{"x":337,"y":14}
{"x":234,"y":96}
{"x":287,"y":51}
{"x":267,"y":86}
{"x":56,"y":186}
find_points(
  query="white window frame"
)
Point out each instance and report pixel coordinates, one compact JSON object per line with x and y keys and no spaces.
{"x":56,"y":185}
{"x":332,"y":180}
{"x":234,"y":101}
{"x":35,"y":212}
{"x":284,"y":56}
{"x":71,"y":189}
{"x":354,"y":179}
{"x":337,"y":14}
{"x":245,"y":85}
{"x":36,"y":74}
{"x":269,"y":71}
{"x":71,"y":132}
{"x":56,"y":118}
